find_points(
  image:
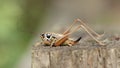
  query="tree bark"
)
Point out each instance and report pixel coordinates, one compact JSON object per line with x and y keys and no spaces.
{"x":83,"y":55}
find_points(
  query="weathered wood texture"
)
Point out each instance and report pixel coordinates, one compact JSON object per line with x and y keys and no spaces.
{"x":83,"y":55}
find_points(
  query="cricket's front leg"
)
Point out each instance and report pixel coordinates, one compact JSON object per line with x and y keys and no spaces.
{"x":53,"y":43}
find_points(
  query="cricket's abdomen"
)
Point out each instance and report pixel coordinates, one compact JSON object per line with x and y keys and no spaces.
{"x":72,"y":42}
{"x":69,"y":42}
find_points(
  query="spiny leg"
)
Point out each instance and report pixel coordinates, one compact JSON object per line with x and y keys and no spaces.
{"x":87,"y":32}
{"x":87,"y":27}
{"x":67,"y":33}
{"x":92,"y":35}
{"x":68,"y":30}
{"x":65,"y":37}
{"x":77,"y":28}
{"x":61,"y":40}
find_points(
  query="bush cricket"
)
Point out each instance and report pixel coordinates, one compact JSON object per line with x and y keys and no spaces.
{"x":55,"y":39}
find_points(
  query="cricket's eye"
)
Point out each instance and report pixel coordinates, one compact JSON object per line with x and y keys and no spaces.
{"x":48,"y":35}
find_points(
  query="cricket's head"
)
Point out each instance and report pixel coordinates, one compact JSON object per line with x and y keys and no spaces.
{"x":46,"y":38}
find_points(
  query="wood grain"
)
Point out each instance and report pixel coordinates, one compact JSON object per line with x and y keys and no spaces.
{"x":82,"y":55}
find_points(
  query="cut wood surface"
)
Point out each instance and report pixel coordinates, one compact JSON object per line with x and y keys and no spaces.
{"x":82,"y":55}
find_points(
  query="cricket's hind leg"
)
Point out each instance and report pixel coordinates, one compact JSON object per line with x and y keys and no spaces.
{"x":89,"y":29}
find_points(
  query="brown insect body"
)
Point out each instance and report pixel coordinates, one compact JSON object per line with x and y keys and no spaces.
{"x":48,"y":38}
{"x":55,"y":39}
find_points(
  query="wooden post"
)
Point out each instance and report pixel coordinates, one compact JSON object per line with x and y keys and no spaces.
{"x":83,"y":55}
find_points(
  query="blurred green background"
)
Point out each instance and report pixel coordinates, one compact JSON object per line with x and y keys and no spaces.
{"x":22,"y":20}
{"x":18,"y":22}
